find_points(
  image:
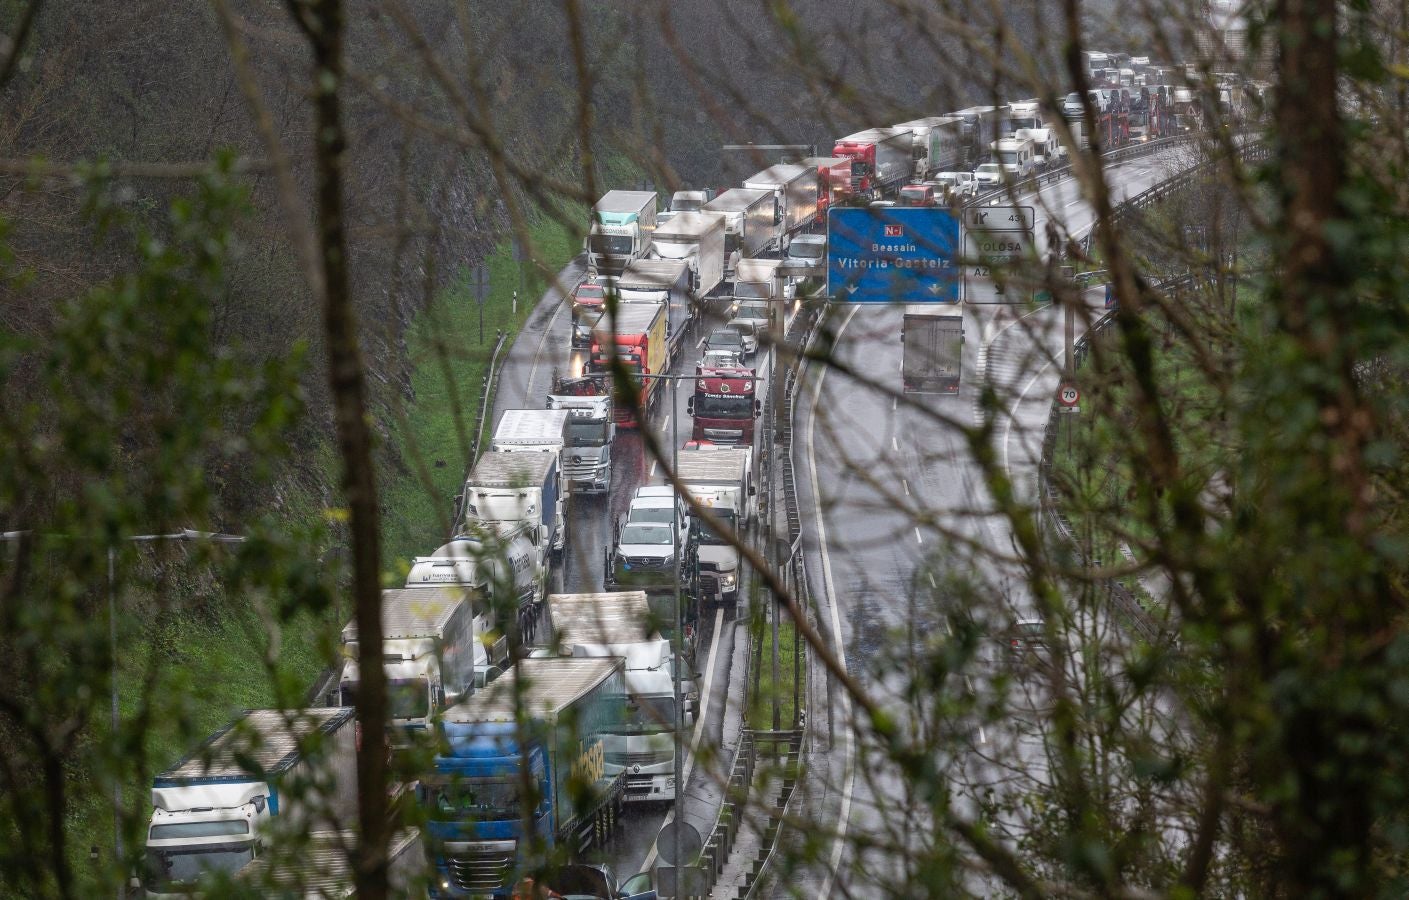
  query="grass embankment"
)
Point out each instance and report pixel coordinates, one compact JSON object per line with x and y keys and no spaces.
{"x":229,"y":659}
{"x":432,"y":435}
{"x":763,"y":688}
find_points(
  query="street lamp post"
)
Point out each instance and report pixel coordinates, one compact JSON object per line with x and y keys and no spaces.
{"x":674,"y":381}
{"x":184,"y":535}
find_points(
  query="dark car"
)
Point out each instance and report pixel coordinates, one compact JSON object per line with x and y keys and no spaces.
{"x":1026,"y":641}
{"x":728,"y":339}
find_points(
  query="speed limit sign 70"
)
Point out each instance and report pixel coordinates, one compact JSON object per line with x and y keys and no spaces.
{"x":1068,"y":395}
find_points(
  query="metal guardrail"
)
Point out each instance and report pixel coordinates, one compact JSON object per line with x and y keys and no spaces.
{"x":719,"y":845}
{"x":489,"y":385}
{"x":1064,"y":171}
{"x":1137,"y":617}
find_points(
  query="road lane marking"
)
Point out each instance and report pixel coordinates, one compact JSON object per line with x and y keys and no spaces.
{"x":917,"y":535}
{"x":849,"y":762}
{"x":538,"y":354}
{"x":653,"y":467}
{"x":907,"y":486}
{"x":893,"y":444}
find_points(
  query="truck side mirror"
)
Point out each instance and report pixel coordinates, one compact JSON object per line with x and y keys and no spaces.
{"x":753,"y":491}
{"x":259,"y":804}
{"x":690,"y":406}
{"x":758,"y":407}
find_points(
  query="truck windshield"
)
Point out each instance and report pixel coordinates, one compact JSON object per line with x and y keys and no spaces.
{"x":587,"y":434}
{"x":1009,"y":157}
{"x":170,"y":871}
{"x":709,"y":535}
{"x":717,"y":406}
{"x":858,"y":167}
{"x":480,"y":799}
{"x":644,"y":533}
{"x":805,"y":250}
{"x":610,"y":244}
{"x":649,"y":714}
{"x":406,"y":698}
{"x":753,"y":290}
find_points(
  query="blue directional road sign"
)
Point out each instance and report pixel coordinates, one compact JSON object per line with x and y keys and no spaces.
{"x":892,"y":255}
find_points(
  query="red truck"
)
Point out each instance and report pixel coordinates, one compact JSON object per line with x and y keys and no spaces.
{"x":881,"y":159}
{"x":724,"y":404}
{"x":833,"y":181}
{"x":639,"y":343}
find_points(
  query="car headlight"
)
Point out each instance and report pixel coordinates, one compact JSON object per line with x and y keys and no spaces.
{"x":728,"y":581}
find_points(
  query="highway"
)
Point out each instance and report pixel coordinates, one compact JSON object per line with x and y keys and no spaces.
{"x":540,"y":351}
{"x":892,"y":501}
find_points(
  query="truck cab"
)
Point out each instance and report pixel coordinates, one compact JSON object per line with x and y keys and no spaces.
{"x":724,"y":405}
{"x":587,"y":458}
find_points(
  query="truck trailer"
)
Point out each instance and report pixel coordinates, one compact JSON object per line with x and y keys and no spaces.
{"x":509,"y":492}
{"x":320,"y":869}
{"x":621,"y":624}
{"x":502,"y":577}
{"x":558,"y":718}
{"x":622,"y":225}
{"x":881,"y":160}
{"x":212,"y":814}
{"x":751,"y":224}
{"x":937,"y":144}
{"x":720,"y":480}
{"x":634,"y":335}
{"x":428,"y":655}
{"x":698,"y":239}
{"x":794,"y":189}
{"x":933,"y":343}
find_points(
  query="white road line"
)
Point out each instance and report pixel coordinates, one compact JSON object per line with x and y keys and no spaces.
{"x":930,"y":576}
{"x":1008,"y":426}
{"x":982,"y":735}
{"x":1073,"y":203}
{"x":893,"y":444}
{"x":907,"y":486}
{"x":538,"y":353}
{"x":849,"y":764}
{"x":653,"y":467}
{"x":917,"y":535}
{"x":706,"y":690}
{"x":893,"y":402}
{"x":665,"y":426}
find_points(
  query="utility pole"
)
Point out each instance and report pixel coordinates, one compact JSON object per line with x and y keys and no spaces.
{"x":775,"y":396}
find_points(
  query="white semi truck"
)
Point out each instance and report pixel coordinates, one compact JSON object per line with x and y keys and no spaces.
{"x":428,"y":655}
{"x":795,"y":191}
{"x":751,"y":224}
{"x":211,"y":814}
{"x":933,"y":348}
{"x":938,"y":144}
{"x":503,"y":578}
{"x":697,"y":238}
{"x":507,"y":492}
{"x":622,"y":225}
{"x":621,"y":625}
{"x":587,"y":460}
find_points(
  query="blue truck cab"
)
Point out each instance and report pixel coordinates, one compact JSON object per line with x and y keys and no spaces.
{"x":531,"y":748}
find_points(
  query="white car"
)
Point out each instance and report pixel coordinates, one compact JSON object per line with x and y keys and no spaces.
{"x":949,"y":184}
{"x":989,"y":174}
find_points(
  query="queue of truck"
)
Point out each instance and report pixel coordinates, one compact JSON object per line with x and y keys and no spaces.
{"x":582,"y":701}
